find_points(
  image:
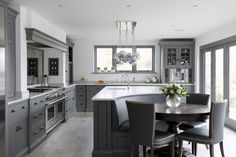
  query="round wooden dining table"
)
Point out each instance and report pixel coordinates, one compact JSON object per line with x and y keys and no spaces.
{"x":184,"y":112}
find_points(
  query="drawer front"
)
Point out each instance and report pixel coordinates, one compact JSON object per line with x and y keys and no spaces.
{"x":18,"y":110}
{"x":37,"y":116}
{"x":81,"y":96}
{"x":81,"y":88}
{"x":95,"y":88}
{"x":81,"y":104}
{"x":37,"y":103}
{"x":37,"y":131}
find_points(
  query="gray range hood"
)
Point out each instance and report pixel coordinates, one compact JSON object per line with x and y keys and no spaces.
{"x":39,"y":39}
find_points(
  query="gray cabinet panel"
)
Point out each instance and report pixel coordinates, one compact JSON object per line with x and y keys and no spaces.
{"x":70,"y":105}
{"x":92,"y":91}
{"x":18,"y":128}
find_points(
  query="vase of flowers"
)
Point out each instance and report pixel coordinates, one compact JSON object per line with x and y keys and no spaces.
{"x":173,"y":93}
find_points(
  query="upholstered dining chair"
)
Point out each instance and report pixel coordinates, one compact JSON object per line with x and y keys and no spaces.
{"x":195,"y":98}
{"x":210,"y":136}
{"x":142,"y":129}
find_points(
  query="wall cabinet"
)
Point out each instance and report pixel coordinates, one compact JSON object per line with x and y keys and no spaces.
{"x":18,"y":129}
{"x":69,"y":62}
{"x":37,"y":121}
{"x":70,"y":105}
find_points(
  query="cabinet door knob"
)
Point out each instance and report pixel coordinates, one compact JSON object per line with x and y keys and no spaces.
{"x":35,"y":116}
{"x":41,"y":128}
{"x":41,"y":113}
{"x":13,"y":110}
{"x":23,"y":107}
{"x":35,"y":132}
{"x":41,"y":101}
{"x":35,"y":103}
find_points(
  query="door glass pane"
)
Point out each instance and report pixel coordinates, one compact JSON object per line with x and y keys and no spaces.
{"x":171,"y":56}
{"x":125,"y":66}
{"x":185,"y":56}
{"x":145,"y":61}
{"x":219,"y":87}
{"x":232,"y":82}
{"x":51,"y":112}
{"x":207,"y":78}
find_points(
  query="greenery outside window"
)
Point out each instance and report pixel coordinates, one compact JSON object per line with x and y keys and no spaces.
{"x":104,"y":54}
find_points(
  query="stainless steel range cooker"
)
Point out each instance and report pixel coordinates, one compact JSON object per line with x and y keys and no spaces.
{"x":55,"y":109}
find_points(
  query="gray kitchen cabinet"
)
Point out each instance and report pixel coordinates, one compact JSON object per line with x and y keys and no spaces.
{"x":81,"y":96}
{"x":37,"y":121}
{"x":18,"y":129}
{"x":70,"y":105}
{"x":92,"y":91}
{"x":11,"y":52}
{"x":177,"y":54}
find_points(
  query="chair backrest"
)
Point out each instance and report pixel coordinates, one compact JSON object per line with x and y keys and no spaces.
{"x":198,"y":98}
{"x":217,"y":119}
{"x":142,"y":122}
{"x":121,"y":104}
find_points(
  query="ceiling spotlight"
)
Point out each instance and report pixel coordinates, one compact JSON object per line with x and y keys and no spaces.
{"x":195,"y":6}
{"x":128,"y":6}
{"x":60,"y":5}
{"x":179,"y":30}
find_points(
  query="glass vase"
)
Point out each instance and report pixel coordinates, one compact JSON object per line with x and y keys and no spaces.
{"x":173,"y":101}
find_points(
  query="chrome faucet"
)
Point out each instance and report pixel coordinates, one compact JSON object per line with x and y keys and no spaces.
{"x":125,"y":76}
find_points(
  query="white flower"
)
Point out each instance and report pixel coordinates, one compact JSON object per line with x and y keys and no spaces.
{"x":172,"y":91}
{"x":179,"y":91}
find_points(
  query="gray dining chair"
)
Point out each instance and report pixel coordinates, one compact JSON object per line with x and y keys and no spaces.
{"x":203,"y":135}
{"x":199,"y":99}
{"x":142,"y":129}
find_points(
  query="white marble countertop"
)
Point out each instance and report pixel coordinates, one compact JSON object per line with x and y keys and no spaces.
{"x":124,"y":84}
{"x":112,"y":92}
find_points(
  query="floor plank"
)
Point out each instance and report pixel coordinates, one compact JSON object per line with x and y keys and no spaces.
{"x":75,"y":139}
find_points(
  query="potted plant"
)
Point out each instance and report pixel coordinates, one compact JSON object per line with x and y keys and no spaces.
{"x":98,"y":69}
{"x":113,"y":69}
{"x":105,"y":69}
{"x":174,"y":92}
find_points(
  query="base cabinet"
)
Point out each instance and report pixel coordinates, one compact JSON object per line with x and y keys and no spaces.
{"x":18,"y":129}
{"x":37,"y":121}
{"x":70,"y":105}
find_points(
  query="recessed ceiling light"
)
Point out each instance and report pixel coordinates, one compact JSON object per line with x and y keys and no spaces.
{"x":60,"y":5}
{"x":128,"y":6}
{"x":195,"y":5}
{"x":77,"y":25}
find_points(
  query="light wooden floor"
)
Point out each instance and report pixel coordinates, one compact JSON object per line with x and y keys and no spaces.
{"x":75,"y":139}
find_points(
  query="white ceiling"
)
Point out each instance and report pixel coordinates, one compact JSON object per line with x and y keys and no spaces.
{"x":96,"y":19}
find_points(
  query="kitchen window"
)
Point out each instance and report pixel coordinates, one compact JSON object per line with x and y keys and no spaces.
{"x":104,"y":54}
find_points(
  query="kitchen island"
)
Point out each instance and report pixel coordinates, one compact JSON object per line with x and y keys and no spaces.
{"x":111,"y":136}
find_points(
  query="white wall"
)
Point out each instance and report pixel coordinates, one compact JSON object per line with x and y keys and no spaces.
{"x":54,"y":53}
{"x":83,"y":61}
{"x":215,"y":35}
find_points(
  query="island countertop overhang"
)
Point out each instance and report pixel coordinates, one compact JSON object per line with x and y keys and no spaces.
{"x":110,"y":93}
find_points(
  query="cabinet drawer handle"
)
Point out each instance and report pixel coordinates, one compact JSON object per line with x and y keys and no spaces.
{"x":41,"y":113}
{"x":41,"y":128}
{"x":35,"y":132}
{"x":23,"y":107}
{"x":13,"y":110}
{"x":35,"y":103}
{"x":41,"y":101}
{"x":18,"y":128}
{"x":35,"y":116}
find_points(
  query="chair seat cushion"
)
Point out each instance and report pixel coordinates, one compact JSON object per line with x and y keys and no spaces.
{"x":190,"y":125}
{"x":201,"y":135}
{"x":162,"y":137}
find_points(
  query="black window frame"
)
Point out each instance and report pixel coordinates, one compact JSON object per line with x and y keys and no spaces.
{"x":134,"y":67}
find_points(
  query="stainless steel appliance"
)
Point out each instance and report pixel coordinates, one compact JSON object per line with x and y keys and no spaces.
{"x":55,"y":109}
{"x":2,"y":81}
{"x":178,"y":75}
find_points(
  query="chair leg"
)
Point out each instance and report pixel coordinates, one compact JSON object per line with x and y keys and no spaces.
{"x":194,"y":148}
{"x":172,"y":148}
{"x":132,"y":151}
{"x":211,"y":150}
{"x":144,"y":151}
{"x":152,"y":152}
{"x":206,"y":146}
{"x":222,"y":149}
{"x":180,"y":147}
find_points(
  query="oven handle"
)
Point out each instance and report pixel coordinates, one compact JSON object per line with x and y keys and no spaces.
{"x":53,"y":102}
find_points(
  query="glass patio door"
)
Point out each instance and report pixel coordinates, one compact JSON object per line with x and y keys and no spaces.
{"x":232,"y":83}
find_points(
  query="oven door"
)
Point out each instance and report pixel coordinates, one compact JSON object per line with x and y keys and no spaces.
{"x":50,"y":115}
